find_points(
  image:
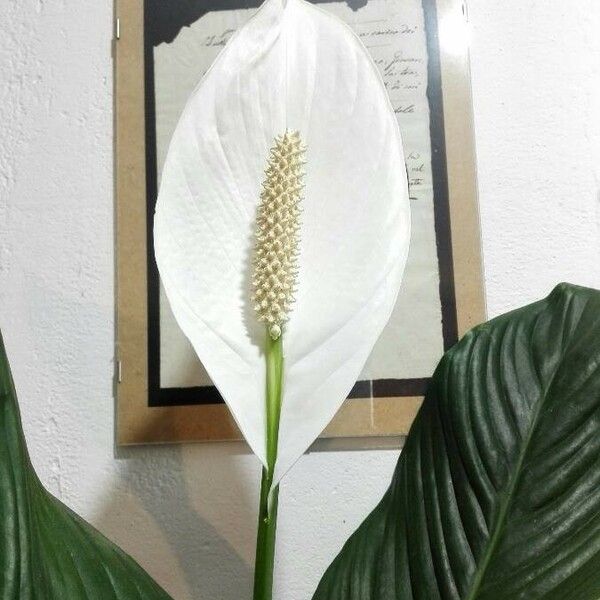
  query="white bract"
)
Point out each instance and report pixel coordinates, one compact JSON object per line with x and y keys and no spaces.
{"x":292,"y":67}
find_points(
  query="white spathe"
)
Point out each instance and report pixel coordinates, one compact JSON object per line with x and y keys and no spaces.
{"x":292,"y":66}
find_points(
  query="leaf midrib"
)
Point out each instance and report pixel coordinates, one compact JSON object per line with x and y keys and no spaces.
{"x":509,"y":495}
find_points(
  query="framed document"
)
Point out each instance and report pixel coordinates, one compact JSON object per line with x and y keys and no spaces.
{"x":163,"y":47}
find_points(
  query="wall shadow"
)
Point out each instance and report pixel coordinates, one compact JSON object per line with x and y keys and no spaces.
{"x":187,"y":514}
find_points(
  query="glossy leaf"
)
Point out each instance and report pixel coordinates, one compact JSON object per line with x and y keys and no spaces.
{"x":291,"y":67}
{"x":47,"y":552}
{"x":496,"y":495}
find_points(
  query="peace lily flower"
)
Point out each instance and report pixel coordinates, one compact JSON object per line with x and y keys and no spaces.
{"x":282,"y":226}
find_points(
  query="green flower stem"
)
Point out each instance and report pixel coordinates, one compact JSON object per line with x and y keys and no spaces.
{"x":267,"y":511}
{"x":265,"y":540}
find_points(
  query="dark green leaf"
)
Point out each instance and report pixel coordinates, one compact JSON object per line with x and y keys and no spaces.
{"x":47,"y":552}
{"x":497,"y":492}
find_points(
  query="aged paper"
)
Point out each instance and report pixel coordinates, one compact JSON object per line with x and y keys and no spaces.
{"x":394,"y":33}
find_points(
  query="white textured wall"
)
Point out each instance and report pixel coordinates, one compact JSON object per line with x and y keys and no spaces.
{"x":187,"y":512}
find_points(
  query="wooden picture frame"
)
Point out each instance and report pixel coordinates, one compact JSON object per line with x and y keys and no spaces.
{"x":377,"y":420}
